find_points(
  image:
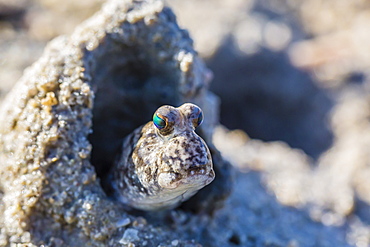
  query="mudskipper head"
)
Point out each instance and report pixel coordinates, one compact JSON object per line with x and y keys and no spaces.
{"x":186,"y":163}
{"x":168,"y":163}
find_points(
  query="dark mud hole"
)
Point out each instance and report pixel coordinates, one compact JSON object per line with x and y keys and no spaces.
{"x":127,"y":92}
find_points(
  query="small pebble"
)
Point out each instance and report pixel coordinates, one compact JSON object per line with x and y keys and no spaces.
{"x":130,"y":235}
{"x":123,"y":222}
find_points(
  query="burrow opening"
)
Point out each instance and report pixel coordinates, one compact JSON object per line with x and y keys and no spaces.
{"x":129,"y":86}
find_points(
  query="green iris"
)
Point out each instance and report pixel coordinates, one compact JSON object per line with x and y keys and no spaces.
{"x":160,"y":123}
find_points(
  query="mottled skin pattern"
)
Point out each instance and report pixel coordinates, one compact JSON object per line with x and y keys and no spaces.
{"x":160,"y":168}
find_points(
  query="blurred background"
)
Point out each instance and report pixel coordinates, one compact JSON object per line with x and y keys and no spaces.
{"x":292,"y":77}
{"x":278,"y":65}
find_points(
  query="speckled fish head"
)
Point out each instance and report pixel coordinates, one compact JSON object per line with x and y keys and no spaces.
{"x":165,"y":162}
{"x":186,"y":160}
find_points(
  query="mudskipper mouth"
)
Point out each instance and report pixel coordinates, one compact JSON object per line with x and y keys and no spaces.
{"x":199,"y":177}
{"x":195,"y":177}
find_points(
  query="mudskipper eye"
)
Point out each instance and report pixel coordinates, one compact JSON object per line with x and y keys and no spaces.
{"x":159,"y":122}
{"x":200,"y":118}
